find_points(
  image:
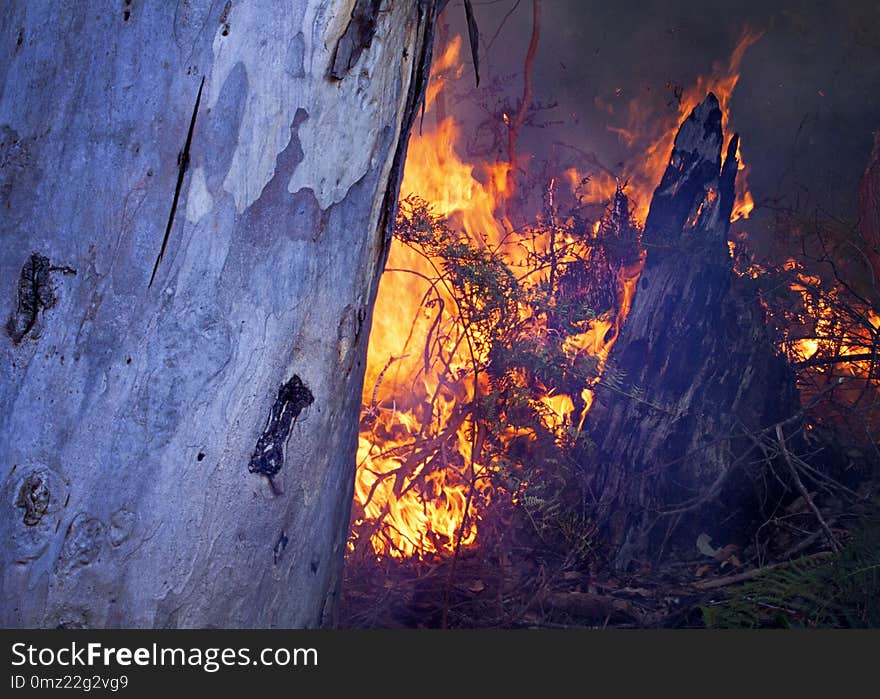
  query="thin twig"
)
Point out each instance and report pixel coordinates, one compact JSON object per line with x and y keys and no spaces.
{"x":832,"y":541}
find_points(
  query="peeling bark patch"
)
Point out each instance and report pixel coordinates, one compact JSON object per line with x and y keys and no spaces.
{"x":349,"y":332}
{"x":268,"y":457}
{"x":182,"y":164}
{"x":280,"y":545}
{"x":35,"y":293}
{"x":82,"y":544}
{"x":297,"y":56}
{"x":33,"y":497}
{"x":358,"y":35}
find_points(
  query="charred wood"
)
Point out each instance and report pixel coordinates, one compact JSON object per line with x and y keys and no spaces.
{"x":692,"y":372}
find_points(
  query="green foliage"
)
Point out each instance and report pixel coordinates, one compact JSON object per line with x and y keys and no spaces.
{"x":517,"y":328}
{"x":485,"y":290}
{"x":842,"y":591}
{"x":525,"y":351}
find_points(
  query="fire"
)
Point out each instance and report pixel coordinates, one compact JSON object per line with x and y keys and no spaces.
{"x":421,"y":486}
{"x":650,"y":135}
{"x":560,"y":409}
{"x":831,"y":338}
{"x":447,"y":66}
{"x":420,"y":507}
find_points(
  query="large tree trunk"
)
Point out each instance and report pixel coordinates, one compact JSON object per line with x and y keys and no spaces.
{"x":196,"y":201}
{"x":692,"y":373}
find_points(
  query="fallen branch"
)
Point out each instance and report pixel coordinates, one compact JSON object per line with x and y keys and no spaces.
{"x":747,"y":575}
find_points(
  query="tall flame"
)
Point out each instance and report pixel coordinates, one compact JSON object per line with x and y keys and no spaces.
{"x":406,"y":502}
{"x":649,"y":136}
{"x":421,"y":510}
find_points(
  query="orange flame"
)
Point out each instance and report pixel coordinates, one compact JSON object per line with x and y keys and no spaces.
{"x":650,"y":136}
{"x":417,"y":511}
{"x":826,"y":335}
{"x":407,"y":502}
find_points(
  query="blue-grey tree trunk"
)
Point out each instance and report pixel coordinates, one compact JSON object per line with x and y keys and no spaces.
{"x":194,"y":206}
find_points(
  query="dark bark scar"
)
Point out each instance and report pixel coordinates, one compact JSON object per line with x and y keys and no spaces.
{"x":357,"y":37}
{"x":279,"y":547}
{"x":268,"y":456}
{"x":35,"y":293}
{"x":33,"y":498}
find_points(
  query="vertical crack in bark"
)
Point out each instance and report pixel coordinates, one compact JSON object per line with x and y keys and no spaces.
{"x":428,"y":14}
{"x":268,"y":456}
{"x":182,"y":164}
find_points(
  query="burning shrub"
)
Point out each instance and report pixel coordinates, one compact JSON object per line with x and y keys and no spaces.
{"x":499,"y":394}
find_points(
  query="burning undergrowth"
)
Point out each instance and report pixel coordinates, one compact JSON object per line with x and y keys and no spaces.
{"x":494,"y":323}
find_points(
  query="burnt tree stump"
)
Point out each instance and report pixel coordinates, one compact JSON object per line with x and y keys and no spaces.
{"x":693,"y":372}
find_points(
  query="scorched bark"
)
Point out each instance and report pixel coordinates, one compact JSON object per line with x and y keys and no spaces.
{"x":691,"y":374}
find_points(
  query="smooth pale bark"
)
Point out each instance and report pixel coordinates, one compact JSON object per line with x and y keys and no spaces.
{"x":131,"y":411}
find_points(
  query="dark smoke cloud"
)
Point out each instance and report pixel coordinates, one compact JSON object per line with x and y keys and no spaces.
{"x":806,"y":105}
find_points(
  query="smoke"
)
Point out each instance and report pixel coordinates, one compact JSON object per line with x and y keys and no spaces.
{"x":806,"y":105}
